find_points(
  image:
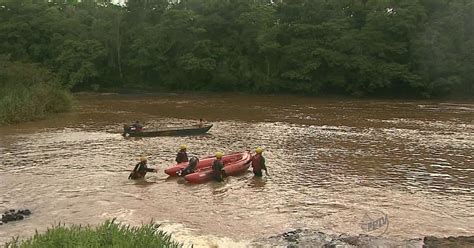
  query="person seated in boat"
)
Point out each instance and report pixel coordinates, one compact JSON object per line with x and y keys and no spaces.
{"x":218,"y":172}
{"x":182,"y":156}
{"x":201,"y":123}
{"x":140,"y":169}
{"x":137,"y":127}
{"x":258,"y":163}
{"x":191,"y":168}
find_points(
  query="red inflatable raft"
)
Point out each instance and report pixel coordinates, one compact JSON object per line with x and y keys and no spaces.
{"x":231,"y":168}
{"x":205,"y":162}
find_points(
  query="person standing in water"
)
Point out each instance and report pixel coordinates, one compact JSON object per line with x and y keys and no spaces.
{"x":140,"y":170}
{"x":182,"y":156}
{"x":258,"y":163}
{"x":218,"y":172}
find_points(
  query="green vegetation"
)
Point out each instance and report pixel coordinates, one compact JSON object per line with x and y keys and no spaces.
{"x":109,"y":234}
{"x":401,"y":48}
{"x":29,"y":92}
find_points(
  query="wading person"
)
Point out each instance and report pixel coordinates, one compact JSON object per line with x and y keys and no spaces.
{"x":218,"y":172}
{"x":140,"y":170}
{"x":191,"y":168}
{"x":258,"y":163}
{"x":182,"y":156}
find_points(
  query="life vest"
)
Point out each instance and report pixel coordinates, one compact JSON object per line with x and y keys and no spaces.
{"x":257,"y":162}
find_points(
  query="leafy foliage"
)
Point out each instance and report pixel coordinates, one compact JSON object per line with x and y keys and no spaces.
{"x":357,"y":47}
{"x":109,"y":234}
{"x":29,"y":92}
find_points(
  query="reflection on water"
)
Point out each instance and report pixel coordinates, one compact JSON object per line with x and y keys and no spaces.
{"x":329,"y":162}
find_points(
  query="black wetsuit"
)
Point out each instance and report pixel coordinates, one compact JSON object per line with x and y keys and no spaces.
{"x":218,"y":170}
{"x":140,"y":171}
{"x":181,"y":157}
{"x":191,"y":168}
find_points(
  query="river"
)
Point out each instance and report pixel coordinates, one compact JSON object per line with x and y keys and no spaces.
{"x":330,"y":161}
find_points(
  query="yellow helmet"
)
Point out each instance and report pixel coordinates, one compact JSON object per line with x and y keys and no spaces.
{"x":219,"y":154}
{"x":143,"y":159}
{"x":258,"y":150}
{"x":183,"y":147}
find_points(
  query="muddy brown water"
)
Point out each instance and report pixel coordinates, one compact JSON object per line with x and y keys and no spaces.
{"x":330,"y":162}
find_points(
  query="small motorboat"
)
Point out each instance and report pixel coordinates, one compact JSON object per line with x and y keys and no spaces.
{"x":169,"y":131}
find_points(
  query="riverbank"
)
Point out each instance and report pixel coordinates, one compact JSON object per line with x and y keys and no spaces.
{"x":313,"y":238}
{"x":113,"y":234}
{"x":108,"y":234}
{"x":165,"y":92}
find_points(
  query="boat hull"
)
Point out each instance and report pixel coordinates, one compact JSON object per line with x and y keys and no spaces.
{"x":203,"y":163}
{"x":231,"y":169}
{"x":172,"y":132}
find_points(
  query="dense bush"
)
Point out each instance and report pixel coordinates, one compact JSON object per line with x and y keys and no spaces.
{"x":29,"y":92}
{"x":109,"y":234}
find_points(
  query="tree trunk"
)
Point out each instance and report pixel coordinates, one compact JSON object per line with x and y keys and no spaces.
{"x":268,"y":67}
{"x":119,"y":60}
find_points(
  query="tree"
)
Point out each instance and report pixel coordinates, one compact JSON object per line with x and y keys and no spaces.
{"x":78,"y":62}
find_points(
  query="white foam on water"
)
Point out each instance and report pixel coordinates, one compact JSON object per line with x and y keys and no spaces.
{"x":189,"y":238}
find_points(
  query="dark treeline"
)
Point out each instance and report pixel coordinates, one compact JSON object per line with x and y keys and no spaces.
{"x":401,"y":48}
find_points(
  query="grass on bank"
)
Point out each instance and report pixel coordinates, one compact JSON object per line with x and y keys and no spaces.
{"x":29,"y":92}
{"x":109,"y":234}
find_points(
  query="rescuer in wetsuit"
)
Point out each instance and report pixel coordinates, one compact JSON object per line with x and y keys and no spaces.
{"x":140,"y":170}
{"x":258,"y":163}
{"x":182,"y":156}
{"x":191,"y":168}
{"x":218,"y":172}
